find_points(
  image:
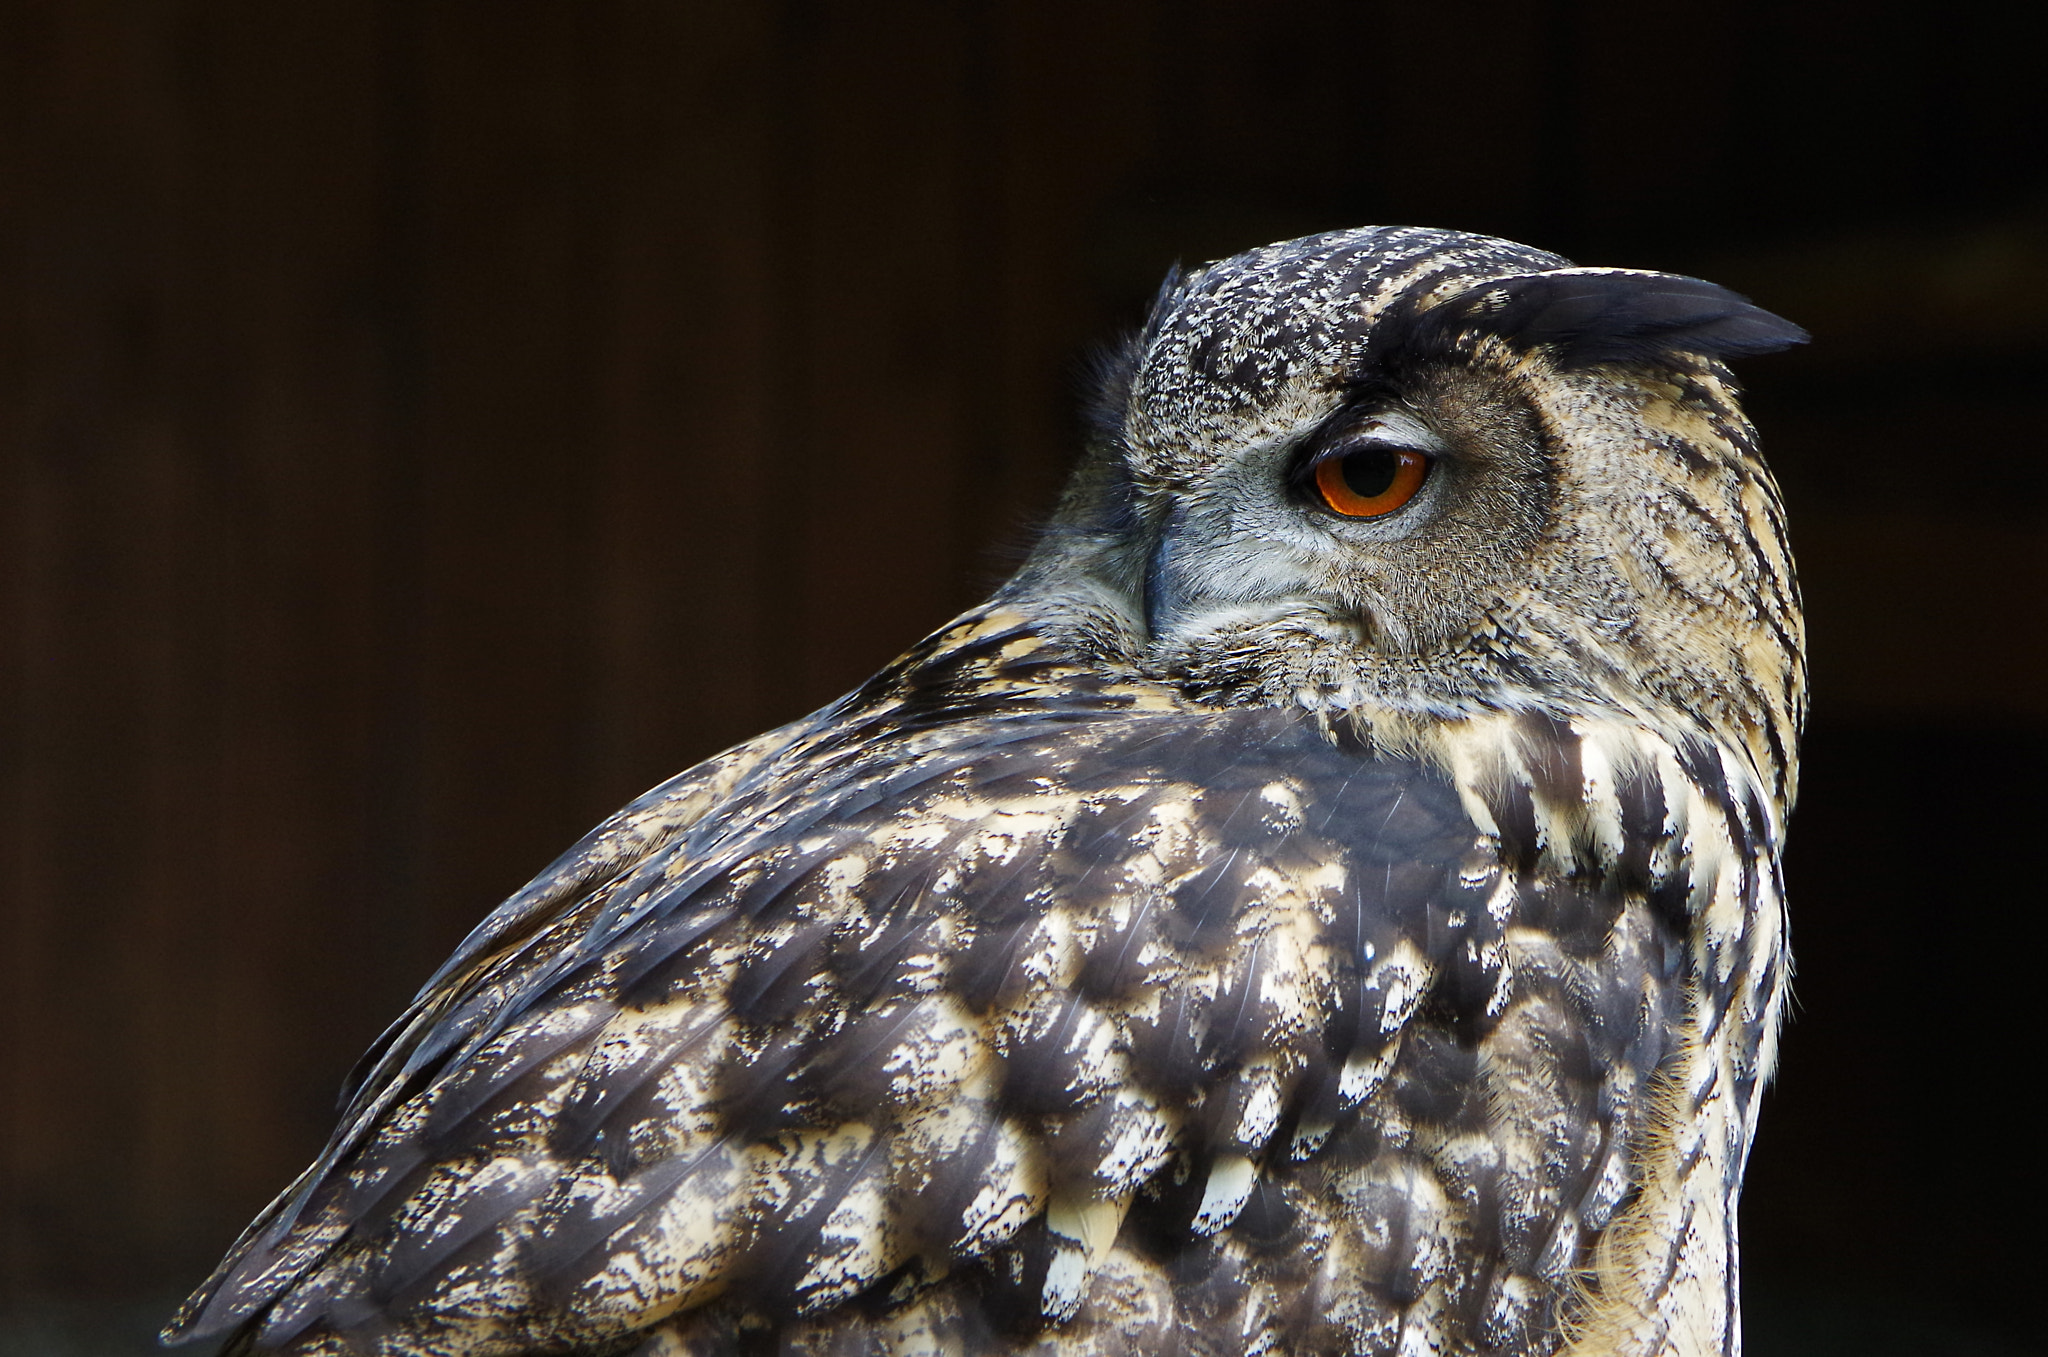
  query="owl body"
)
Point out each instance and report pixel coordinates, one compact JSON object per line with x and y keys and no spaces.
{"x":1265,"y":927}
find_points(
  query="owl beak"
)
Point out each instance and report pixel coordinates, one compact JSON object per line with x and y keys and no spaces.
{"x":1164,"y":603}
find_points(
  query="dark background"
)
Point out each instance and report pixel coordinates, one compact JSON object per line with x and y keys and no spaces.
{"x":428,"y":424}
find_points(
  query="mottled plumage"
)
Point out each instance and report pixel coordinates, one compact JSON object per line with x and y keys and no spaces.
{"x":1255,"y":930}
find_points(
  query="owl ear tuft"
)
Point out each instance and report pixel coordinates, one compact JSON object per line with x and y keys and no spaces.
{"x":1591,"y":316}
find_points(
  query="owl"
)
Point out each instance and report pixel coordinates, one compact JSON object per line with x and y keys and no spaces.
{"x":1327,"y":901}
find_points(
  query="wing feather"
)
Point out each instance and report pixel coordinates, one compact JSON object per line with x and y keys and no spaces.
{"x":1002,"y":1009}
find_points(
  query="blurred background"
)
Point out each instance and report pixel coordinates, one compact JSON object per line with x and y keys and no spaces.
{"x":426,"y":425}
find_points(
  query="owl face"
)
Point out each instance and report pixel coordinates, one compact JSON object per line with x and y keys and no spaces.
{"x":1396,"y":520}
{"x":1411,"y":473}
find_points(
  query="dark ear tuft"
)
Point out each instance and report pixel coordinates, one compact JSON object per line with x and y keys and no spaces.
{"x":1163,"y":300}
{"x":1605,"y":316}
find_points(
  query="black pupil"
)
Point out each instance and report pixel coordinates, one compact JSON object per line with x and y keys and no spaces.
{"x":1370,"y":473}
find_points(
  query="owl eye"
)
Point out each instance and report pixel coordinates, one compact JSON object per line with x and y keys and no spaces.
{"x":1370,"y":481}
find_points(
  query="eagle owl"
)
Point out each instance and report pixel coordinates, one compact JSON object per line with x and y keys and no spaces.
{"x":1328,"y":901}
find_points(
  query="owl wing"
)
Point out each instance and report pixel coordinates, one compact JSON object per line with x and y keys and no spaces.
{"x":996,"y":996}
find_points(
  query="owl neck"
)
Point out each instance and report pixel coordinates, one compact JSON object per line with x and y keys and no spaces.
{"x":1302,"y":658}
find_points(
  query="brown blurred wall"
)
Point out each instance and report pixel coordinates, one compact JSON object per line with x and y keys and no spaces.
{"x":426,"y":425}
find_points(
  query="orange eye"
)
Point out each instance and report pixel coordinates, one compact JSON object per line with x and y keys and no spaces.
{"x":1371,"y":482}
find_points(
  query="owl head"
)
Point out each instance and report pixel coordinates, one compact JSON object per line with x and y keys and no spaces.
{"x":1409,"y":475}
